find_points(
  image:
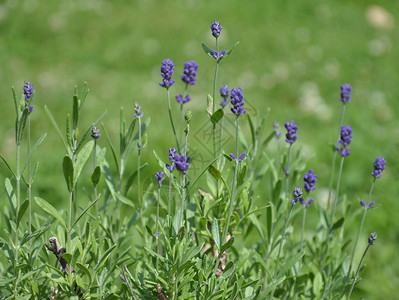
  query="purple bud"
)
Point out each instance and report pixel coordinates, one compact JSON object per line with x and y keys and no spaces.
{"x":137,"y":110}
{"x":221,"y":54}
{"x":159,"y":176}
{"x":379,"y":166}
{"x":233,"y":156}
{"x":214,"y":54}
{"x":310,"y":181}
{"x":28,"y":90}
{"x":190,"y":72}
{"x":167,"y":70}
{"x":370,"y":205}
{"x":242,"y":156}
{"x":345,"y":140}
{"x":346,"y":93}
{"x":179,"y":98}
{"x":372,"y":238}
{"x":237,"y":100}
{"x":310,"y":201}
{"x":216,"y":28}
{"x":276,"y":127}
{"x":291,"y":136}
{"x":95,"y":133}
{"x":362,"y":203}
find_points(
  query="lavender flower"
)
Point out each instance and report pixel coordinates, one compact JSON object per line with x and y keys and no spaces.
{"x":237,"y":101}
{"x":346,"y":139}
{"x":276,"y":127}
{"x":190,"y":72}
{"x":306,"y":204}
{"x":157,"y":234}
{"x":224,"y":93}
{"x":181,"y":100}
{"x":372,"y":238}
{"x":309,"y":180}
{"x":297,"y":193}
{"x":28,"y":90}
{"x":214,"y":54}
{"x":95,"y":132}
{"x":159,"y":176}
{"x":240,"y":158}
{"x":182,"y":163}
{"x":167,"y":70}
{"x":346,"y":93}
{"x":371,"y":204}
{"x":216,"y":28}
{"x":291,"y":136}
{"x":172,"y":153}
{"x":379,"y":166}
{"x":137,"y":109}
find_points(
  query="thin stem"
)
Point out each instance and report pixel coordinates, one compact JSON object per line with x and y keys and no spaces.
{"x":357,"y":272}
{"x":70,"y":200}
{"x":18,"y":196}
{"x":29,"y":178}
{"x":171,"y":121}
{"x":283,"y":235}
{"x":287,"y":172}
{"x":303,"y":222}
{"x":156,"y":222}
{"x":138,"y":167}
{"x":170,"y":194}
{"x":341,"y":120}
{"x":183,"y":201}
{"x":94,"y":167}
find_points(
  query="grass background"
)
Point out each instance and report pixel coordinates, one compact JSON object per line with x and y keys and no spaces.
{"x":292,"y":57}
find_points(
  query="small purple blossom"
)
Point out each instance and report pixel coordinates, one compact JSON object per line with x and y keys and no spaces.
{"x":222,"y":53}
{"x":224,"y":93}
{"x":276,"y":127}
{"x":306,"y":204}
{"x":291,"y":136}
{"x":240,"y":158}
{"x":30,"y":109}
{"x":181,"y":100}
{"x":297,"y":193}
{"x":214,"y":54}
{"x":190,"y":72}
{"x":309,"y":180}
{"x":182,"y":163}
{"x":172,"y":153}
{"x":167,"y":70}
{"x":219,"y":55}
{"x":28,"y":90}
{"x":157,"y":234}
{"x":95,"y":132}
{"x":216,"y":28}
{"x":345,"y":140}
{"x":372,"y":238}
{"x":137,"y":110}
{"x":362,"y":203}
{"x":159,"y":176}
{"x":346,"y":93}
{"x":237,"y":101}
{"x":370,"y":205}
{"x":379,"y":166}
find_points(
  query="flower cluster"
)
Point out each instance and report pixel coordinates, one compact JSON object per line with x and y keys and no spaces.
{"x":216,"y":28}
{"x":159,"y":176}
{"x":179,"y":162}
{"x":297,"y":193}
{"x":28,"y":91}
{"x":219,"y":55}
{"x":190,"y":72}
{"x":237,"y":101}
{"x":379,"y":166}
{"x":95,"y":132}
{"x":137,"y":110}
{"x":362,"y":203}
{"x":372,"y":238}
{"x":167,"y":70}
{"x":240,"y":158}
{"x":309,"y":180}
{"x":276,"y":127}
{"x":224,"y":93}
{"x":346,"y":93}
{"x":181,"y":100}
{"x":291,"y":136}
{"x":345,"y":140}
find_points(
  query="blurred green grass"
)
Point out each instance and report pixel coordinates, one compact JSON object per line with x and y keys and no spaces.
{"x":292,"y":57}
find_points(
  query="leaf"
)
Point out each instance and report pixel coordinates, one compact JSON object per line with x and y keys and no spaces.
{"x":109,"y":179}
{"x":228,"y":157}
{"x":69,"y":131}
{"x":39,"y":141}
{"x":103,"y":259}
{"x":252,"y":127}
{"x":20,"y":126}
{"x":207,"y":50}
{"x":227,"y":245}
{"x":22,"y":210}
{"x":8,"y":166}
{"x":85,"y":210}
{"x":216,"y":233}
{"x":95,"y":177}
{"x":75,"y":112}
{"x":84,"y":269}
{"x":131,"y":178}
{"x":210,"y":105}
{"x":214,"y":172}
{"x":338,"y":224}
{"x":81,"y":160}
{"x":317,"y":285}
{"x":67,"y":167}
{"x":43,"y":204}
{"x":217,"y":116}
{"x":11,"y":195}
{"x":124,"y":200}
{"x":272,"y":286}
{"x":268,"y":139}
{"x":17,"y":107}
{"x":241,"y":176}
{"x":88,"y":131}
{"x":292,"y":260}
{"x":52,"y":120}
{"x":231,"y":50}
{"x":269,"y":216}
{"x":112,"y":148}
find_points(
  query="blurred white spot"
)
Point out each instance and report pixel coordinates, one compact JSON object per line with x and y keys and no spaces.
{"x":281,"y":71}
{"x":267,"y":81}
{"x":47,"y":79}
{"x":56,"y":22}
{"x":151,"y":46}
{"x":332,"y":68}
{"x":246,"y":79}
{"x":2,"y":12}
{"x":150,"y":90}
{"x":315,"y":53}
{"x":322,"y":197}
{"x":299,"y":68}
{"x":192,"y":48}
{"x":379,"y":17}
{"x":302,"y":35}
{"x":379,"y":46}
{"x":323,"y":11}
{"x":311,"y":101}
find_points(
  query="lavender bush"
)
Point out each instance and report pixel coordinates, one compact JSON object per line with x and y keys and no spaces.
{"x":194,"y":244}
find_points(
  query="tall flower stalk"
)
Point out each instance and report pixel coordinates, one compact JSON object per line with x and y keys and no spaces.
{"x":309,"y":180}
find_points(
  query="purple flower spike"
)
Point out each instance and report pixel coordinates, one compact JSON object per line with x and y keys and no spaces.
{"x":276,"y":127}
{"x":346,"y":93}
{"x":216,"y":28}
{"x":159,"y":176}
{"x":362,"y":203}
{"x":310,"y":201}
{"x":95,"y":133}
{"x":242,"y":156}
{"x":182,"y":163}
{"x":370,"y":205}
{"x":170,"y":168}
{"x":372,"y":238}
{"x":379,"y":166}
{"x":28,"y":90}
{"x":345,"y":140}
{"x":214,"y":54}
{"x":237,"y":101}
{"x":137,"y":110}
{"x":224,"y":93}
{"x":297,"y":193}
{"x":167,"y":70}
{"x":291,"y":136}
{"x":179,"y":99}
{"x":233,"y":156}
{"x":30,"y":109}
{"x":310,"y":181}
{"x":190,"y":72}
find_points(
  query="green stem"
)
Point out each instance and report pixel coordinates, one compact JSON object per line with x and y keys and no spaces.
{"x":29,"y":178}
{"x":69,"y":250}
{"x":303,"y":222}
{"x":357,"y":272}
{"x":18,"y":196}
{"x":283,"y":236}
{"x":171,"y":121}
{"x":94,"y":167}
{"x":170,"y":195}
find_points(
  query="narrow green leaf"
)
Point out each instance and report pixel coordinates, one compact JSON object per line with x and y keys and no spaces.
{"x":317,"y":285}
{"x":131,"y":178}
{"x":33,"y":174}
{"x":21,"y":125}
{"x":57,"y":128}
{"x":292,"y":260}
{"x":210,"y":105}
{"x":88,"y":131}
{"x":11,"y":195}
{"x":124,"y":200}
{"x":241,"y":176}
{"x":207,"y":50}
{"x":272,"y":286}
{"x":67,"y":167}
{"x":155,"y":254}
{"x":231,"y":49}
{"x":129,"y":134}
{"x":228,"y":157}
{"x":338,"y":224}
{"x":268,"y":139}
{"x":17,"y":107}
{"x":216,"y":233}
{"x":109,"y":179}
{"x":103,"y":259}
{"x":95,"y":177}
{"x":217,"y":116}
{"x":43,"y":204}
{"x":39,"y":141}
{"x":122,"y":137}
{"x":227,"y":245}
{"x":7,"y":164}
{"x":22,"y":210}
{"x":85,"y":210}
{"x":269,"y":220}
{"x":84,"y":269}
{"x":214,"y":172}
{"x":202,"y":172}
{"x":81,"y":159}
{"x":75,"y":112}
{"x":112,"y":148}
{"x":69,"y":131}
{"x":252,"y":127}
